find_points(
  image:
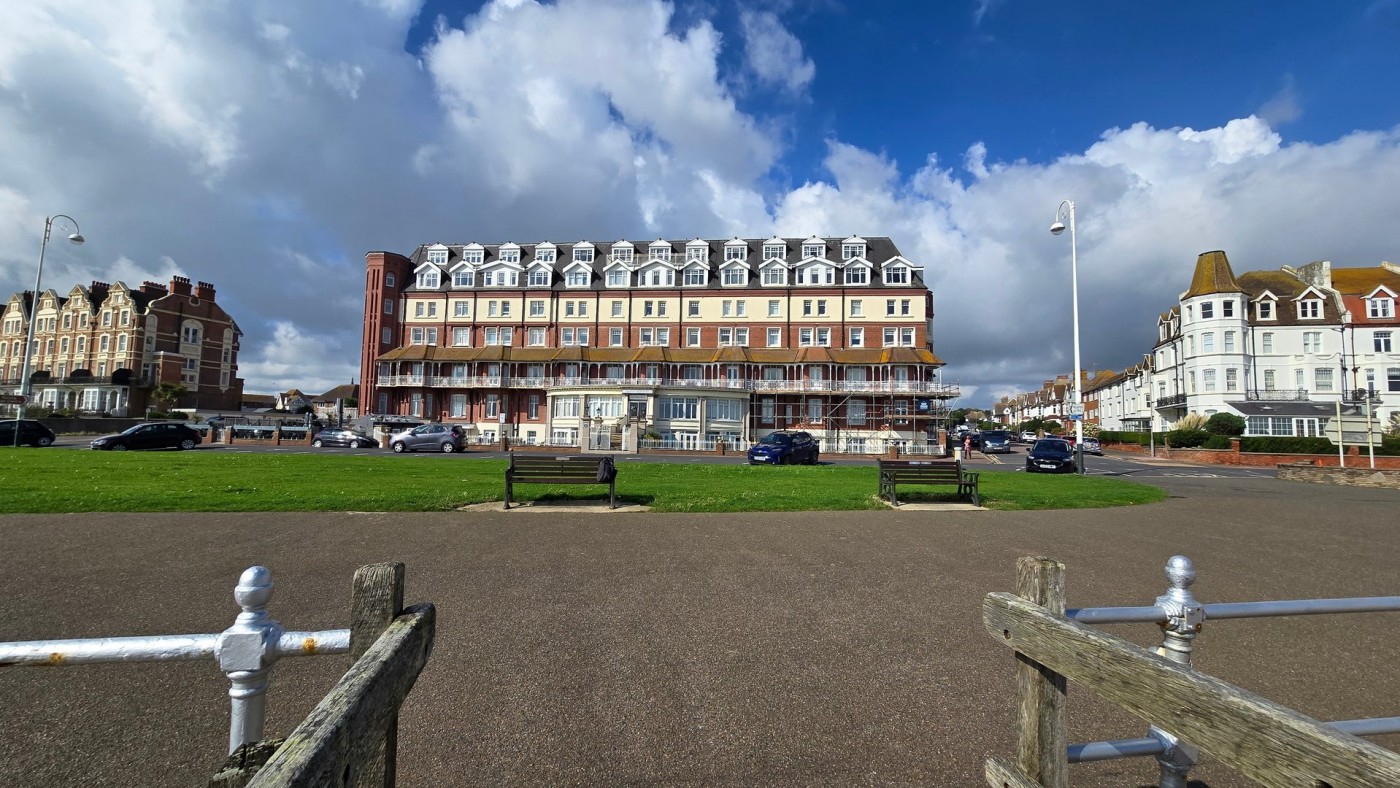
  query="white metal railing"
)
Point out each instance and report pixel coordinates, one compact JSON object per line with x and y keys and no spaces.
{"x":245,"y":652}
{"x":943,"y":390}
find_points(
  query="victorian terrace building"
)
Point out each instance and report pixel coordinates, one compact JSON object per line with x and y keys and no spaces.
{"x":595,"y":343}
{"x":101,"y":348}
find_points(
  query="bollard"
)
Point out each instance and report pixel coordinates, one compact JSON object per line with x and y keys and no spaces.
{"x":1184,"y":617}
{"x":246,"y":652}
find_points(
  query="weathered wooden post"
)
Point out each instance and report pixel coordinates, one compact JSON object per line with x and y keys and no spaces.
{"x":1040,"y":692}
{"x":377,"y":600}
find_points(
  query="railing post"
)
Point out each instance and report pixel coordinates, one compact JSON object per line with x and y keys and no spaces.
{"x":246,"y":652}
{"x":1041,"y":746}
{"x":1184,"y":617}
{"x":377,"y":599}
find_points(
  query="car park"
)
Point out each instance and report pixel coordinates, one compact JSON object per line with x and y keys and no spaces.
{"x":31,"y":433}
{"x":1050,"y":455}
{"x":150,"y":435}
{"x":996,"y":442}
{"x":336,"y":436}
{"x":446,"y":438}
{"x":785,"y":448}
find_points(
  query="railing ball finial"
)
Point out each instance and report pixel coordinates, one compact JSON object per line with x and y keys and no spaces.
{"x":1181,"y":573}
{"x":254,"y":589}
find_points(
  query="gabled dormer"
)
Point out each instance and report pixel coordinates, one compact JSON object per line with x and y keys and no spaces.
{"x":622,"y":252}
{"x":852,"y":248}
{"x":1265,"y":307}
{"x":736,"y":250}
{"x":462,"y":274}
{"x":436,"y":254}
{"x":660,"y":249}
{"x":578,"y":274}
{"x":814,"y":248}
{"x":858,"y":271}
{"x":509,"y":253}
{"x":656,"y":273}
{"x":773,"y":272}
{"x":618,"y":271}
{"x":1309,"y":304}
{"x":1380,"y":304}
{"x":546,"y":253}
{"x":697,"y":250}
{"x":539,"y":273}
{"x":583,"y":252}
{"x":474,"y":254}
{"x":695,"y":273}
{"x":775,"y":248}
{"x":428,"y":276}
{"x":815,"y":272}
{"x":897,"y":271}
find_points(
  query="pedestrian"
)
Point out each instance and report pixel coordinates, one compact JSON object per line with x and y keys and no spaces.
{"x":967,"y":446}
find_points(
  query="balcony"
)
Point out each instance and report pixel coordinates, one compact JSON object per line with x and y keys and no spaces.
{"x":1276,"y":395}
{"x":1361,"y":396}
{"x":939,"y":390}
{"x":1173,"y":401}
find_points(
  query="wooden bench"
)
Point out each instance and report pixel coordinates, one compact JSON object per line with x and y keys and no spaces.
{"x":567,"y":469}
{"x":936,"y":472}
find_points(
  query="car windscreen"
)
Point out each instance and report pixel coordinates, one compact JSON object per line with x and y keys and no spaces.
{"x":777,"y":440}
{"x":996,"y":435}
{"x":1051,"y":446}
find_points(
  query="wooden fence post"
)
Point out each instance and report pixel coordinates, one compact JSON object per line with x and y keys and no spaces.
{"x":1042,"y":742}
{"x":376,"y":601}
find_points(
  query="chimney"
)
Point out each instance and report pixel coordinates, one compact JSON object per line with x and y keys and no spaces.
{"x":98,"y":291}
{"x":179,"y":285}
{"x":204,"y":290}
{"x":153,"y":289}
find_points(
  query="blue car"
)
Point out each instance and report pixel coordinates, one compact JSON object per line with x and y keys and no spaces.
{"x":1051,"y":455}
{"x":785,"y":448}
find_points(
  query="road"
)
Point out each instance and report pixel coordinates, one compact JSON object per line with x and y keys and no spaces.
{"x":805,"y":648}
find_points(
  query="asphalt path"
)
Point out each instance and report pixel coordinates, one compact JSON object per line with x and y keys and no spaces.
{"x":841,"y":648}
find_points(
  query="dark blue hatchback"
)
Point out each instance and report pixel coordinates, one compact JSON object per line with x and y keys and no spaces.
{"x":1050,"y":455}
{"x":785,"y":448}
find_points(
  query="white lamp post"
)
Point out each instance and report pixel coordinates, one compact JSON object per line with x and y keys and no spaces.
{"x":25,"y":387}
{"x":1077,"y":398}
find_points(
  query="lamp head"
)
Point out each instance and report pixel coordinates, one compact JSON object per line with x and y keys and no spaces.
{"x":1057,"y":228}
{"x":76,"y":239}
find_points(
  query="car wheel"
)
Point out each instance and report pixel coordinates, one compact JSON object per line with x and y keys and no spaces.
{"x":448,"y":448}
{"x":318,"y":443}
{"x":44,"y":440}
{"x":354,"y":444}
{"x":186,"y":444}
{"x":398,"y":448}
{"x":816,"y":458}
{"x":119,"y":447}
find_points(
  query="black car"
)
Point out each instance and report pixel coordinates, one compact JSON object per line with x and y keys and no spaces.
{"x":785,"y":448}
{"x":1050,"y":455}
{"x":996,"y":441}
{"x":151,"y":435}
{"x":335,"y":436}
{"x":31,"y":433}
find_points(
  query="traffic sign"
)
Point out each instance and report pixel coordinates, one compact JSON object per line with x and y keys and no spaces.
{"x":14,"y":399}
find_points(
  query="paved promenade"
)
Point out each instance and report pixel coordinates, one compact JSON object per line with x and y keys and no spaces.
{"x":765,"y":649}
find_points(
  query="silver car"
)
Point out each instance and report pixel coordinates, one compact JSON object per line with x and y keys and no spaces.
{"x":431,"y":437}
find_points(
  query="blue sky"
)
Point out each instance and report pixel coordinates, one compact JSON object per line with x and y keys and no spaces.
{"x":266,"y":146}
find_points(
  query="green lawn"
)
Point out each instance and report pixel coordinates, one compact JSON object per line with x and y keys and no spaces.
{"x":45,"y":480}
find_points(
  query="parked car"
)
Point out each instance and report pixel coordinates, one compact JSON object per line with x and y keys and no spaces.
{"x":336,"y":436}
{"x":1050,"y":455}
{"x":31,"y":433}
{"x":151,"y":435}
{"x":433,"y":437}
{"x":1091,"y":446}
{"x":785,"y":448}
{"x":1028,"y":436}
{"x":996,"y":441}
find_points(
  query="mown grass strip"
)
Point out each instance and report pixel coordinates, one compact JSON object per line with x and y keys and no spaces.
{"x":211,"y":480}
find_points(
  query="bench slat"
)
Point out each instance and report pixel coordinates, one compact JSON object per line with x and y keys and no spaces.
{"x":571,"y":469}
{"x":931,"y":472}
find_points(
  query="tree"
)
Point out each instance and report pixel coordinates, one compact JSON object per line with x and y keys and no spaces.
{"x":1225,"y":424}
{"x":168,"y":393}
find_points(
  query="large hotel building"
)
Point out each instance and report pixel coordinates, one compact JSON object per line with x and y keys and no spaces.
{"x":596,"y":344}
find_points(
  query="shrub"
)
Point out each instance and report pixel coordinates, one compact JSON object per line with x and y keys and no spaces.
{"x":1192,"y":421}
{"x":1186,"y":438}
{"x":1225,"y":424}
{"x":1217,"y":441}
{"x":1280,"y":444}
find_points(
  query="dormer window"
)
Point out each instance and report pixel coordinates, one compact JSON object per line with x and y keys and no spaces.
{"x":545,"y":255}
{"x":772,"y":251}
{"x":734,"y":251}
{"x":897,"y":275}
{"x":618,"y":277}
{"x":775,"y":275}
{"x":696,"y":276}
{"x":622,"y":254}
{"x":539,"y":277}
{"x":734,"y":276}
{"x":464,"y":278}
{"x":583,"y":254}
{"x":1264,"y":310}
{"x":697,"y":253}
{"x":660,"y":277}
{"x":429,"y":279}
{"x":816,"y":275}
{"x":857,"y":275}
{"x":510,"y":255}
{"x":474,"y":256}
{"x":437,"y":256}
{"x":813,"y":250}
{"x":1227,"y":308}
{"x":660,"y":252}
{"x":577,"y":277}
{"x":1378,"y":308}
{"x":851,"y":250}
{"x":1310,"y":309}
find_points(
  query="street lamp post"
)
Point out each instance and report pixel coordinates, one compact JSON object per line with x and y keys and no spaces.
{"x":25,"y":386}
{"x":1077,"y":400}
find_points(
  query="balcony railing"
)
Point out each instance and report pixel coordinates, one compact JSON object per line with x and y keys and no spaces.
{"x":1276,"y":395}
{"x":942,"y":390}
{"x":1171,"y":401}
